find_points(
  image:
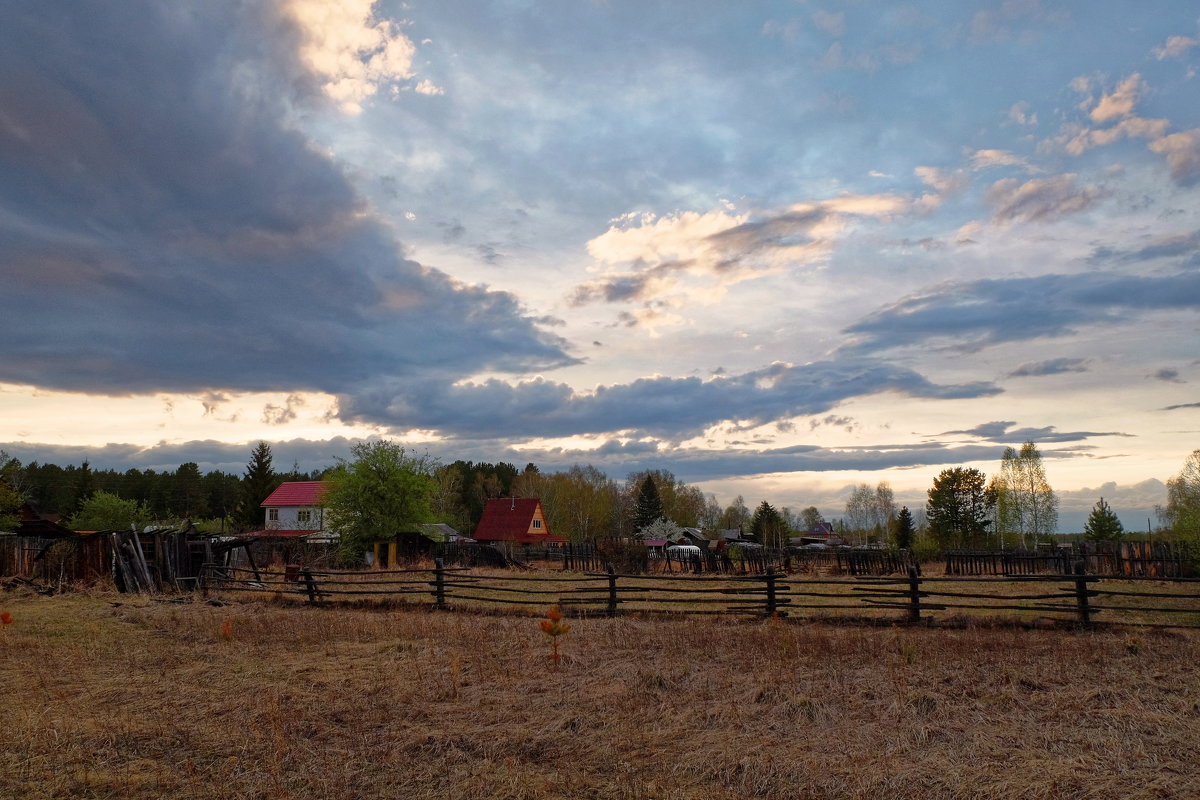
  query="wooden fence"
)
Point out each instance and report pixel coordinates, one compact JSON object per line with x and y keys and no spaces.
{"x":1078,"y":597}
{"x":1127,"y":559}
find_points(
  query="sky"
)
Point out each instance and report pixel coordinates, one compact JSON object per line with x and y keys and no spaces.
{"x":778,"y":248}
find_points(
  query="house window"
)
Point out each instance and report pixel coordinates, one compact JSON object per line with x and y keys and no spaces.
{"x":303,"y":516}
{"x":272,"y":515}
{"x":537,"y":524}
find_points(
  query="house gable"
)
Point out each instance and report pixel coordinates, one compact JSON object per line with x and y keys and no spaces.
{"x":513,"y":519}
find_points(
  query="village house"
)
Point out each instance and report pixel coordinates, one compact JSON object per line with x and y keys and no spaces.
{"x":517,"y":520}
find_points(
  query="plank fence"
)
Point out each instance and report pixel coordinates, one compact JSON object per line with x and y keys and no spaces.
{"x":1074,"y":597}
{"x":1115,"y":559}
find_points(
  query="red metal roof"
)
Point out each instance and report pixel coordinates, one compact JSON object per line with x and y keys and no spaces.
{"x":508,"y":519}
{"x":296,"y":493}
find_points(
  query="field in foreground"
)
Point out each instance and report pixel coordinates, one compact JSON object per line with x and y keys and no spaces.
{"x":113,"y":696}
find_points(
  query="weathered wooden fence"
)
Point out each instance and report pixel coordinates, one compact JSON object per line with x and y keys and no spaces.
{"x":1079,"y":597}
{"x":1128,"y":559}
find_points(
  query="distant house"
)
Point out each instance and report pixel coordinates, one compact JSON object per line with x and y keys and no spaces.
{"x":518,"y":520}
{"x":821,"y":533}
{"x":294,"y":510}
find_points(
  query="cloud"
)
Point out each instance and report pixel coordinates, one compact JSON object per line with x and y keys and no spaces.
{"x":647,"y":256}
{"x":1019,"y":113}
{"x":983,"y":159}
{"x":1172,"y":246}
{"x":833,"y":24}
{"x":969,"y":316}
{"x":1119,"y":102}
{"x":1055,"y":366}
{"x":1004,"y":433}
{"x":281,"y":415}
{"x":1181,"y":405}
{"x":165,"y":203}
{"x":1183,"y":155}
{"x":350,"y":52}
{"x":1040,"y":199}
{"x":1175,"y":47}
{"x":1167,"y":375}
{"x":672,"y":408}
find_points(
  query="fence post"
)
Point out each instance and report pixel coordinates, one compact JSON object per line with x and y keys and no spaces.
{"x":311,"y":585}
{"x":203,"y":579}
{"x":914,"y":595}
{"x":439,"y":583}
{"x":771,"y":603}
{"x":1081,"y":594}
{"x":612,"y":590}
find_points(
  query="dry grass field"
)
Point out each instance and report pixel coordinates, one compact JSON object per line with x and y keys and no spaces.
{"x":112,"y":696}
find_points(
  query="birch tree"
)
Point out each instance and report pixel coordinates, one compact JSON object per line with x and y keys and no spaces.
{"x":1026,"y":506}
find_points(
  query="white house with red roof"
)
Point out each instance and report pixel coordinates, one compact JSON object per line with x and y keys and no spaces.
{"x":295,"y":506}
{"x":515,"y":519}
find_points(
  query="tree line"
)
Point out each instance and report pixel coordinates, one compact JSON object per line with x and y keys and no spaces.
{"x":1016,"y":508}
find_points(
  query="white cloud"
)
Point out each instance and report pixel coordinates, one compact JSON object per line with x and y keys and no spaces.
{"x":1120,"y":102}
{"x":1019,"y":113}
{"x":428,"y":87}
{"x":833,"y":24}
{"x":1183,"y":154}
{"x":353,"y":54}
{"x":1077,"y":140}
{"x":982,"y":159}
{"x":1175,"y":47}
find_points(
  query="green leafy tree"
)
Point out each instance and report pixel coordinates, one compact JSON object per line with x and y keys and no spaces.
{"x":1026,"y":507}
{"x":108,"y":512}
{"x":375,"y":493}
{"x":767,"y":526}
{"x":957,"y":508}
{"x":11,"y":491}
{"x":1181,"y":515}
{"x":258,"y":482}
{"x":1102,"y":524}
{"x":905,"y":530}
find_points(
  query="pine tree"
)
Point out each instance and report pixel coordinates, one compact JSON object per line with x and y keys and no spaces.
{"x":1102,"y":524}
{"x":258,"y":482}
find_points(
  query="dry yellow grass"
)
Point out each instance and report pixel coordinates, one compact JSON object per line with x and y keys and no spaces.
{"x":107,"y":696}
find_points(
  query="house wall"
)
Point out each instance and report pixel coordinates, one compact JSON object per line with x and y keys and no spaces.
{"x":538,"y":516}
{"x":289,"y":518}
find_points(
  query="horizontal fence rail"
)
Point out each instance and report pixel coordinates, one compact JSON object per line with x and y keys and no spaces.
{"x":1074,"y":597}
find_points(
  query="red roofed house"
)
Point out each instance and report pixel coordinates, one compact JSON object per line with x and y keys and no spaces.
{"x":515,"y":519}
{"x":295,"y":506}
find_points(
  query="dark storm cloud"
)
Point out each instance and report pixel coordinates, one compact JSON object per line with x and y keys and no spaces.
{"x":1055,"y":366}
{"x":661,"y":406}
{"x":1182,"y":405}
{"x":163,"y":227}
{"x":968,"y":316}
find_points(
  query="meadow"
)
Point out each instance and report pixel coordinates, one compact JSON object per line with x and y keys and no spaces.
{"x":117,"y":696}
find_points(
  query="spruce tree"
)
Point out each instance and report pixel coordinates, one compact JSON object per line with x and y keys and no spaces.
{"x":258,"y":482}
{"x":648,"y":507}
{"x":905,"y":529}
{"x":767,"y":527}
